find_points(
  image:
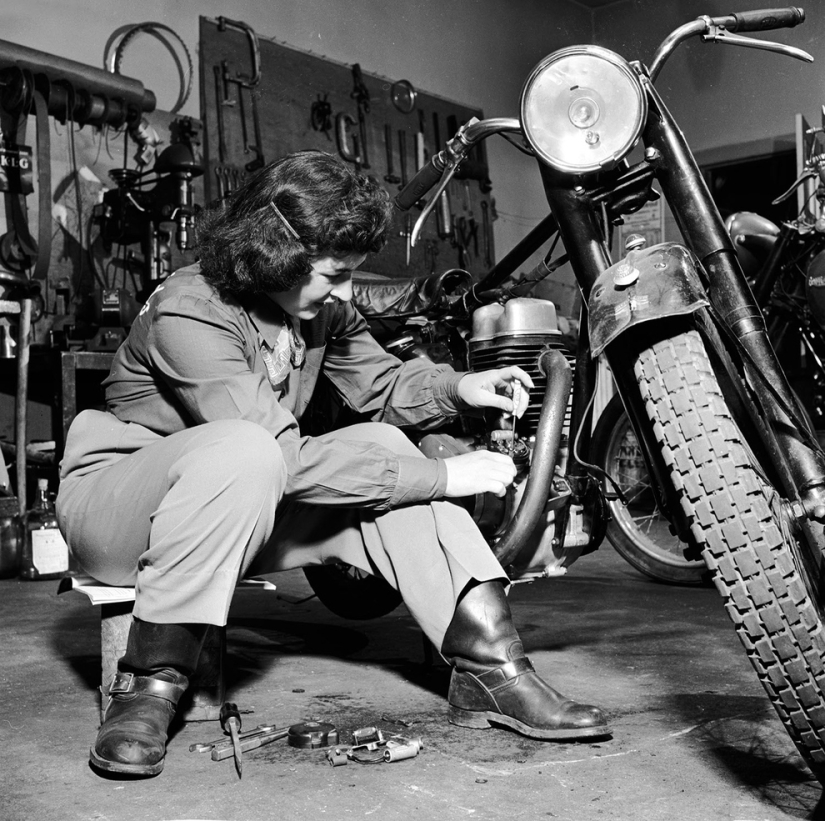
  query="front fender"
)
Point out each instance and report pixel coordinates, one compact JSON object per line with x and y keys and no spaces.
{"x":667,"y":284}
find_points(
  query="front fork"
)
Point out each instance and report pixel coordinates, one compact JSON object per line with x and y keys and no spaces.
{"x":801,"y":468}
{"x":703,"y":229}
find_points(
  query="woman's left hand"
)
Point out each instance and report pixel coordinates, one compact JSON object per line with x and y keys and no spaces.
{"x":495,"y":389}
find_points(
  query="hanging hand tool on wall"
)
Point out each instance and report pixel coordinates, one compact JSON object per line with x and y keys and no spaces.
{"x":402,"y":156}
{"x":391,"y":177}
{"x":320,"y":115}
{"x":461,"y":242}
{"x":486,"y":233}
{"x":343,"y":123}
{"x":218,"y":74}
{"x":248,"y":82}
{"x":402,"y":162}
{"x":420,"y":145}
{"x":361,"y":95}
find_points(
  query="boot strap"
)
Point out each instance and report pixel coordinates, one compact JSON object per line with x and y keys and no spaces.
{"x":130,"y":683}
{"x":493,"y":679}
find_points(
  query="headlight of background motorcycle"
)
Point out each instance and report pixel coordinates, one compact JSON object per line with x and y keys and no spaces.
{"x":582,"y":109}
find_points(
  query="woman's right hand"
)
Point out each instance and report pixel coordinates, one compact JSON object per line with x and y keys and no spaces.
{"x":481,"y":471}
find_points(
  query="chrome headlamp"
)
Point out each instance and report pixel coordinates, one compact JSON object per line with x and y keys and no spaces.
{"x":582,"y":109}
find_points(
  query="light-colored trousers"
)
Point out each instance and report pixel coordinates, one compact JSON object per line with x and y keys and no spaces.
{"x":183,"y":517}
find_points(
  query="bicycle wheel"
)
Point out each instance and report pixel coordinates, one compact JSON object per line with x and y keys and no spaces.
{"x":639,"y":531}
{"x":738,"y":520}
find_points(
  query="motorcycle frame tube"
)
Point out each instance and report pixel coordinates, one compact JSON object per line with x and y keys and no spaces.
{"x":769,"y":272}
{"x":581,"y":411}
{"x":584,"y":242}
{"x":518,"y":254}
{"x":538,"y":489}
{"x":703,"y":229}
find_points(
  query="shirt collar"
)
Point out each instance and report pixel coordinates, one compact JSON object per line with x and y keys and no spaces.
{"x":266,"y":316}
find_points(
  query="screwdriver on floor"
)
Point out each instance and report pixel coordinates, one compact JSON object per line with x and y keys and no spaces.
{"x":230,"y":719}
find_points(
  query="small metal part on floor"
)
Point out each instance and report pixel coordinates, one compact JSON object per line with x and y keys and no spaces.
{"x":694,"y":735}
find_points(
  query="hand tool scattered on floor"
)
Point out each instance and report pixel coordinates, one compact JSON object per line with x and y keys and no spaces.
{"x":312,"y":735}
{"x":371,"y":747}
{"x":222,"y":748}
{"x":230,"y":719}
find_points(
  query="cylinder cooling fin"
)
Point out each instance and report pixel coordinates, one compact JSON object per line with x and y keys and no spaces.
{"x":516,"y":334}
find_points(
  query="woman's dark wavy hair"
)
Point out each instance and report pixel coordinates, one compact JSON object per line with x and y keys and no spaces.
{"x":244,"y":246}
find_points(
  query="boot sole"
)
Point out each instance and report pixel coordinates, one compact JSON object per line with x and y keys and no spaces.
{"x":483,"y":720}
{"x":125,"y":769}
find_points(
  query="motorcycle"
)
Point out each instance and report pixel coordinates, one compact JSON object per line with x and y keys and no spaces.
{"x":735,"y":465}
{"x":785,"y":268}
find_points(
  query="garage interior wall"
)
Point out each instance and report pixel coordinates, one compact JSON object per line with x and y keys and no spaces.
{"x":475,"y":52}
{"x":731,"y":102}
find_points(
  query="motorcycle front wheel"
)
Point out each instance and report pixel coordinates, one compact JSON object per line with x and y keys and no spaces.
{"x":738,"y":521}
{"x":639,"y":531}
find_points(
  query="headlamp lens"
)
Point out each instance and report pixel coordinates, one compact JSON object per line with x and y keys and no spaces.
{"x":583,"y":112}
{"x":582,"y":109}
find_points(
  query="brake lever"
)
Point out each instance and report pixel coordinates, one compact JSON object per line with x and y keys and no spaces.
{"x":452,"y":165}
{"x":797,"y":182}
{"x":719,"y":34}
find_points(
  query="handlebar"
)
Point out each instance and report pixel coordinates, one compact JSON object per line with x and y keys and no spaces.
{"x":438,"y":172}
{"x":440,"y":169}
{"x":761,"y":20}
{"x":721,"y":30}
{"x":425,"y":179}
{"x":446,"y":162}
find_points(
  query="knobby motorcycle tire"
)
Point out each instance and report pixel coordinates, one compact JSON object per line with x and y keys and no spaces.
{"x":638,"y":530}
{"x":735,"y":518}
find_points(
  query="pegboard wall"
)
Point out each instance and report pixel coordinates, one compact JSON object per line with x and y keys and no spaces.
{"x":261,"y":100}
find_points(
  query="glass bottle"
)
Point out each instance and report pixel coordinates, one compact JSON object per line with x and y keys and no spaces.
{"x":11,"y":536}
{"x":45,"y":552}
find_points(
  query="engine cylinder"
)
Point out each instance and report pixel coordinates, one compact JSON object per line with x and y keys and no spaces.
{"x":515,"y":334}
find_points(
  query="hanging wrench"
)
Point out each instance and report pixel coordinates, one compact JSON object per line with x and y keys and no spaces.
{"x":343,"y":122}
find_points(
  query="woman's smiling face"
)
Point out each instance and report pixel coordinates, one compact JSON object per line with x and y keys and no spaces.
{"x":329,"y":279}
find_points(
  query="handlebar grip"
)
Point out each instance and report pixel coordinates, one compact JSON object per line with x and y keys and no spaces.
{"x":763,"y":19}
{"x":425,"y":179}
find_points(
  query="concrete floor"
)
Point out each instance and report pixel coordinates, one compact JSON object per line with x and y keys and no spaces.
{"x":694,"y":736}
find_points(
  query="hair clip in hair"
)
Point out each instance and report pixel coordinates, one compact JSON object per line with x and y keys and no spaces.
{"x":285,"y":221}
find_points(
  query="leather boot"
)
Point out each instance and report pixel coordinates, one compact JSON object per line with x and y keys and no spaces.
{"x":493,"y":682}
{"x":152,"y":676}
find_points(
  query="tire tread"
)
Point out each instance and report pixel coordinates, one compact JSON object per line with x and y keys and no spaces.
{"x":733,"y":518}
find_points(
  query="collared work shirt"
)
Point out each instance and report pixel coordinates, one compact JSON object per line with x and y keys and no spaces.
{"x":193,"y":357}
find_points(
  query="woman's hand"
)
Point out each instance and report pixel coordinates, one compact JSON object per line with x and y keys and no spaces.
{"x":481,"y":471}
{"x":495,"y":389}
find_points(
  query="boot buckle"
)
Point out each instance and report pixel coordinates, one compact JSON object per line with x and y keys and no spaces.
{"x":126,"y":683}
{"x":122,"y":683}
